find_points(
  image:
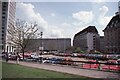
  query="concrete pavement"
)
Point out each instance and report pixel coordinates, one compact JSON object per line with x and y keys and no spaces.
{"x":71,"y":70}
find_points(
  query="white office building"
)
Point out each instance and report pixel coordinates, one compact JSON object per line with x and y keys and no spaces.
{"x":7,"y":14}
{"x":0,"y":28}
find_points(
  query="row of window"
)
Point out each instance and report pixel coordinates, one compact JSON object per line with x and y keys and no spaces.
{"x":113,"y":50}
{"x":111,"y":44}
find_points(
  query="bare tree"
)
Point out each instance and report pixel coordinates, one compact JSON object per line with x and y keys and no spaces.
{"x":19,"y":34}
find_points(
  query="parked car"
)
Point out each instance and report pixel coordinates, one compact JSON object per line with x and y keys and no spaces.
{"x":46,"y":61}
{"x":26,"y":55}
{"x":56,"y":60}
{"x":12,"y":57}
{"x":9,"y":55}
{"x":67,"y":61}
{"x":80,"y":55}
{"x":34,"y":55}
{"x":112,"y":67}
{"x":74,"y":55}
{"x":4,"y":55}
{"x":91,"y":65}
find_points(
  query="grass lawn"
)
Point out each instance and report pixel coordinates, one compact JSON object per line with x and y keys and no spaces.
{"x":19,"y":71}
{"x":0,"y":70}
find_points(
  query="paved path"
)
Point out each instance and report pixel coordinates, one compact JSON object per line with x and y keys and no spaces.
{"x":76,"y":71}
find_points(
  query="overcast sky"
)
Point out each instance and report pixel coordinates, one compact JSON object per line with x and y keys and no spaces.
{"x":65,"y":19}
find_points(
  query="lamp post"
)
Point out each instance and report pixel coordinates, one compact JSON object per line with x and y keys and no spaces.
{"x":64,"y":46}
{"x":41,"y":42}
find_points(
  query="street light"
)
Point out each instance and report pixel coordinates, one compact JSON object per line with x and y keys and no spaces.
{"x":41,"y":42}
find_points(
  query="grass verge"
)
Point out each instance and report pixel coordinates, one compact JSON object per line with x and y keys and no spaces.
{"x":19,"y":71}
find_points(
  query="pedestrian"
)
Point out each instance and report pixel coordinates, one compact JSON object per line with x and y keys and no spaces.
{"x":6,"y":57}
{"x":40,"y":58}
{"x":17,"y":58}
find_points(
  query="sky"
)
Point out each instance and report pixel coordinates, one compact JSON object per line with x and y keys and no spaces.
{"x":65,"y":19}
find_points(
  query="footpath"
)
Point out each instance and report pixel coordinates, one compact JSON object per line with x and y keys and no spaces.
{"x":71,"y":70}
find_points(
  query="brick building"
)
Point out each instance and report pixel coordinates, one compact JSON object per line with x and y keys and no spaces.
{"x":112,"y":35}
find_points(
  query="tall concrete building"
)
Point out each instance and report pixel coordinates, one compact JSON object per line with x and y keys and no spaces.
{"x":0,"y":27}
{"x":8,"y":10}
{"x":87,"y":39}
{"x":49,"y":44}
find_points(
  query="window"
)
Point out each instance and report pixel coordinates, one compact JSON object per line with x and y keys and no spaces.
{"x":3,"y":9}
{"x":4,"y":3}
{"x":2,"y":34}
{"x":3,"y":28}
{"x":2,"y":42}
{"x":2,"y":38}
{"x":3,"y":12}
{"x":3,"y":16}
{"x":2,"y":31}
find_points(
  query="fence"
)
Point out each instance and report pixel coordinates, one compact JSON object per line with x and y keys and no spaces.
{"x":92,"y":64}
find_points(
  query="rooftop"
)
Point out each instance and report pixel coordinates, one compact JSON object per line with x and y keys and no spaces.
{"x":88,"y":29}
{"x":113,"y":20}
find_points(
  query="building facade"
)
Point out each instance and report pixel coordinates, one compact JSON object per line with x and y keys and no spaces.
{"x":8,"y":10}
{"x":102,"y":47}
{"x":87,"y":39}
{"x":112,"y":35}
{"x":1,"y":44}
{"x":49,"y":44}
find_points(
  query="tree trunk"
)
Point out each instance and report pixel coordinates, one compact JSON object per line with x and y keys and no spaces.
{"x":23,"y":53}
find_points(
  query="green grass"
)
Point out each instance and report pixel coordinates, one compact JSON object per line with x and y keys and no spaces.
{"x":19,"y":71}
{"x":0,"y":69}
